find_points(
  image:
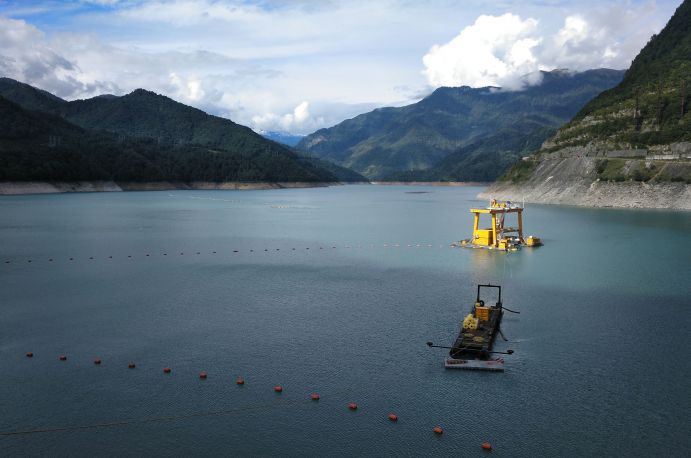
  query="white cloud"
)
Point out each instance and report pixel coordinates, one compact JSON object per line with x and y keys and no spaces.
{"x":300,"y":121}
{"x":494,"y":51}
{"x":25,"y":55}
{"x":500,"y":50}
{"x":256,"y":61}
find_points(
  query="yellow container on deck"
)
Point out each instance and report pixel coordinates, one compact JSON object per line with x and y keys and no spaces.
{"x":482,"y":313}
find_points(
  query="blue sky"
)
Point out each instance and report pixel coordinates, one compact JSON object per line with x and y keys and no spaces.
{"x":296,"y":66}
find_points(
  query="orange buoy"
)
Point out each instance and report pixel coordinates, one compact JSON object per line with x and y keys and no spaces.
{"x":438,"y":430}
{"x":202,"y":375}
{"x":278,"y":389}
{"x":62,"y":358}
{"x":314,"y":396}
{"x":97,"y":361}
{"x":486,"y":446}
{"x":131,"y":365}
{"x":393,"y":417}
{"x":352,"y":406}
{"x":240,"y":381}
{"x":166,"y":370}
{"x":30,"y":354}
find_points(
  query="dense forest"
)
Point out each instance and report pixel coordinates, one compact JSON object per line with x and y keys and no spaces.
{"x":45,"y":147}
{"x":138,"y":137}
{"x":458,"y":133}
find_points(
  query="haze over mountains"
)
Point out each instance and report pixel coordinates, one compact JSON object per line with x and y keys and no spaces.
{"x":458,"y":134}
{"x":141,"y":136}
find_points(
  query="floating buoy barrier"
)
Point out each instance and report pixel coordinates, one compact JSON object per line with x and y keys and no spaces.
{"x":30,"y":354}
{"x":97,"y":361}
{"x":240,"y":381}
{"x":314,"y":396}
{"x":62,"y":358}
{"x":438,"y":430}
{"x":166,"y":370}
{"x":486,"y":446}
{"x":278,"y":250}
{"x":202,"y":375}
{"x":393,"y":417}
{"x":278,"y":389}
{"x":131,"y":365}
{"x":352,"y":406}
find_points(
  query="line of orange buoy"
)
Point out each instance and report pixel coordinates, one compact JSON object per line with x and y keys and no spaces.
{"x":393,"y":418}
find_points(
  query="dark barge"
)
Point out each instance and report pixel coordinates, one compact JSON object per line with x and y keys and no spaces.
{"x":472,"y":349}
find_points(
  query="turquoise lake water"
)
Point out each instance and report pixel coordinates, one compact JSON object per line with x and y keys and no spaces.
{"x":600,"y":365}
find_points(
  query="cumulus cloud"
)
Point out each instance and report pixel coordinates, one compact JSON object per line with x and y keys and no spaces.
{"x":299,"y":121}
{"x":508,"y":51}
{"x":494,"y":51}
{"x":25,"y":55}
{"x":302,"y":65}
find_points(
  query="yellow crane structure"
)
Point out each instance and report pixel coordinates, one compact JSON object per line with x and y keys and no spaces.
{"x":499,"y":236}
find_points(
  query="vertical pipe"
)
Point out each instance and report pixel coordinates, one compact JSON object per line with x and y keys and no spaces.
{"x":494,"y":229}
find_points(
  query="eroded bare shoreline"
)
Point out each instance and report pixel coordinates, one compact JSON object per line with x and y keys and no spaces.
{"x":43,"y":187}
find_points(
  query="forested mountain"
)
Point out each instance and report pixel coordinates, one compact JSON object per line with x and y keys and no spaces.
{"x":485,"y":129}
{"x":138,"y":137}
{"x":630,"y":146}
{"x":651,"y":105}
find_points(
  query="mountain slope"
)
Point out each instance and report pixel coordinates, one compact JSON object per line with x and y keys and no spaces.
{"x":171,"y":140}
{"x":37,"y":146}
{"x":651,"y":104}
{"x":29,"y":97}
{"x":464,"y":120}
{"x":630,"y":146}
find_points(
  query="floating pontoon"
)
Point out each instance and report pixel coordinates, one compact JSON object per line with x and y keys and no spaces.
{"x":472,"y":349}
{"x":499,"y":236}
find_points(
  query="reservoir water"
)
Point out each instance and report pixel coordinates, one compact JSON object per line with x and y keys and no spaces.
{"x":333,"y":300}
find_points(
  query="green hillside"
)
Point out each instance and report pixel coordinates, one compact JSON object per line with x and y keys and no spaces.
{"x":485,"y":129}
{"x":138,"y":137}
{"x":651,"y":105}
{"x":36,"y":146}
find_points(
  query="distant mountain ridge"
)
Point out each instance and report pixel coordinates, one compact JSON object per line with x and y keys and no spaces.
{"x":141,"y":136}
{"x":282,"y":137}
{"x":486,"y":128}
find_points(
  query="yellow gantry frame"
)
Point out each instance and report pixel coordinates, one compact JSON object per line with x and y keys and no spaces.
{"x":492,"y":236}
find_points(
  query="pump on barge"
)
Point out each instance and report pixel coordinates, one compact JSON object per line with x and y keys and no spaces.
{"x":472,"y":349}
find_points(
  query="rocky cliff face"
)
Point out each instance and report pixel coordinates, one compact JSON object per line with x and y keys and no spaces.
{"x":601,"y":177}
